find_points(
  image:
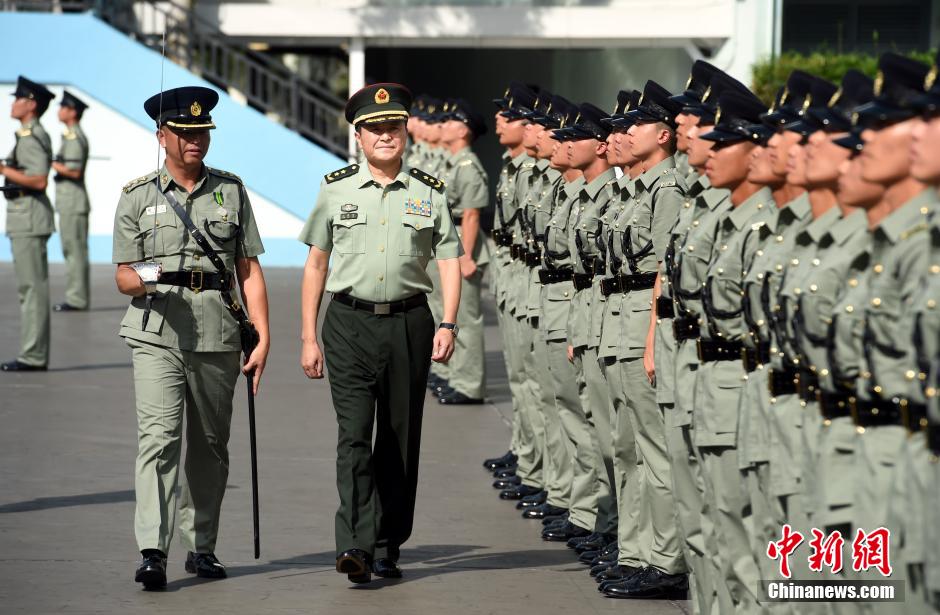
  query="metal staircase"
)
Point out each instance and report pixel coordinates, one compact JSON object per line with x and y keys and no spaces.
{"x":198,"y":45}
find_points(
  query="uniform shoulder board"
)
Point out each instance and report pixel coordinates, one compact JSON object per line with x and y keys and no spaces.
{"x":465,"y":163}
{"x":69,"y":135}
{"x":430,"y":180}
{"x":140,"y":181}
{"x":222,"y":173}
{"x":24,"y":132}
{"x":913,"y":231}
{"x":341,"y":173}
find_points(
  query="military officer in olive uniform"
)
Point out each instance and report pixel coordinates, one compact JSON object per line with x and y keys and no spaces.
{"x":184,"y":331}
{"x":71,"y":201}
{"x":467,"y":194}
{"x":381,"y":222}
{"x":29,"y":223}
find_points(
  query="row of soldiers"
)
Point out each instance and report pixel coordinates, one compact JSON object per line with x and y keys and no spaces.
{"x":719,"y":320}
{"x":30,"y":219}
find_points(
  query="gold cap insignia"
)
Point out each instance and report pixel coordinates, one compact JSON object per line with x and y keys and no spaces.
{"x":807,"y":102}
{"x":931,"y":77}
{"x":548,"y":109}
{"x":708,"y":92}
{"x":785,"y":95}
{"x":717,"y":116}
{"x":855,"y":118}
{"x":381,"y":97}
{"x":688,"y":81}
{"x":835,"y":98}
{"x":879,"y":83}
{"x":577,"y":117}
{"x":195,"y":109}
{"x":506,"y":93}
{"x":511,"y":99}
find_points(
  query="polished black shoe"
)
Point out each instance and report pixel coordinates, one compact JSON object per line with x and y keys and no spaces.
{"x":607,"y":556}
{"x":66,"y":307}
{"x":459,"y":399}
{"x":594,"y":543}
{"x":507,"y":483}
{"x":601,"y":567}
{"x":505,"y":472}
{"x":617,"y":573}
{"x":205,"y":565}
{"x":386,"y":568}
{"x":577,"y":541}
{"x":509,"y":459}
{"x":543,"y":510}
{"x":651,"y":583}
{"x":356,"y":565}
{"x":588,"y":557}
{"x":531,"y":501}
{"x":564,"y":532}
{"x":152,"y":570}
{"x":442,"y":390}
{"x":518,"y":492}
{"x":435,"y":381}
{"x":19,"y":366}
{"x":553,"y":520}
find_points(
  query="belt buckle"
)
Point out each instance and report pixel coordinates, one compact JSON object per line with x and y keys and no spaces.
{"x":853,"y":409}
{"x":905,"y":411}
{"x":698,"y":350}
{"x":193,"y":284}
{"x":382,"y":309}
{"x":770,"y":382}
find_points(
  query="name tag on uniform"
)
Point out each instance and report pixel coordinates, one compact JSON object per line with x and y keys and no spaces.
{"x":348,"y":216}
{"x":349,"y":207}
{"x":419,"y":207}
{"x":160,"y":209}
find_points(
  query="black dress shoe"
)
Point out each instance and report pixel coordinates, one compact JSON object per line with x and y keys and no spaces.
{"x":543,"y":510}
{"x":518,"y":492}
{"x":434,"y":380}
{"x":579,"y":540}
{"x":651,"y":583}
{"x":600,"y":567}
{"x":594,"y":543}
{"x":205,"y":565}
{"x":553,"y":520}
{"x":588,"y":558}
{"x":504,"y":461}
{"x":152,"y":570}
{"x":19,"y":366}
{"x":442,"y":390}
{"x":459,"y":399}
{"x":386,"y":568}
{"x":507,"y":483}
{"x":606,"y":558}
{"x":564,"y":532}
{"x":531,"y":501}
{"x":66,"y":307}
{"x":356,"y":565}
{"x":505,"y":472}
{"x":617,"y":573}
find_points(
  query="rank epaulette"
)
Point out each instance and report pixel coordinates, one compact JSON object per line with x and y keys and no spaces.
{"x":341,"y":173}
{"x":222,"y":173}
{"x":430,"y":180}
{"x":913,"y":231}
{"x":140,"y":181}
{"x":69,"y":135}
{"x":24,"y":132}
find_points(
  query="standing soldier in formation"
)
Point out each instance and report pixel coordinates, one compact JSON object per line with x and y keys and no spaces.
{"x":30,"y":222}
{"x":71,"y":201}
{"x":183,"y":236}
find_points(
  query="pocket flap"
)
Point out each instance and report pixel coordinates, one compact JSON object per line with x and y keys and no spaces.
{"x":347,"y":221}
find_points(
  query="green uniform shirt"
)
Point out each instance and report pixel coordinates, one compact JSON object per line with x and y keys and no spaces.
{"x":467,"y":188}
{"x":614,"y":223}
{"x":381,"y":238}
{"x":899,"y":260}
{"x":70,"y":194}
{"x":926,"y":323}
{"x":693,"y":255}
{"x":556,"y":255}
{"x":218,"y":205}
{"x":537,"y":210}
{"x":505,"y":189}
{"x":31,"y":215}
{"x":416,"y":154}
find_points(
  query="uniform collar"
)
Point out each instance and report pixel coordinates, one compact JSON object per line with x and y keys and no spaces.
{"x":713,"y":197}
{"x":364,"y":176}
{"x":591,"y":188}
{"x":816,"y":229}
{"x":759,"y":201}
{"x":698,"y":185}
{"x":166,"y":178}
{"x":648,"y":178}
{"x":906,"y":216}
{"x":849,"y":226}
{"x":542,"y":165}
{"x":798,"y":208}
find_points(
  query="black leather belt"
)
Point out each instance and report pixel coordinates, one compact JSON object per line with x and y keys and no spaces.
{"x":752,"y":358}
{"x":582,"y":280}
{"x":781,"y":382}
{"x":807,"y":383}
{"x":834,"y":405}
{"x":685,"y":328}
{"x":502,"y":238}
{"x":533,"y":259}
{"x":664,"y":307}
{"x":621,"y":283}
{"x":382,"y":309}
{"x":63,"y":178}
{"x":933,"y":438}
{"x":710,"y":350}
{"x":196,"y":280}
{"x":554,"y":276}
{"x":517,"y":252}
{"x":15,"y":194}
{"x":875,"y":412}
{"x":593,"y":265}
{"x":913,"y":416}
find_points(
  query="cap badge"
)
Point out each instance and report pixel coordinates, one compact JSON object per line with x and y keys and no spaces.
{"x":511,"y":99}
{"x":381,"y":97}
{"x":195,"y":109}
{"x":879,"y":83}
{"x":717,"y":116}
{"x":688,"y":81}
{"x":835,"y":98}
{"x":708,"y":92}
{"x":855,"y":119}
{"x":548,"y":109}
{"x":931,"y":77}
{"x":506,"y":93}
{"x":807,"y":102}
{"x":785,"y":95}
{"x":577,"y":117}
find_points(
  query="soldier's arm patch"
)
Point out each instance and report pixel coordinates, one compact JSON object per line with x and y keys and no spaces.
{"x":430,"y":180}
{"x":140,"y":181}
{"x":341,"y":173}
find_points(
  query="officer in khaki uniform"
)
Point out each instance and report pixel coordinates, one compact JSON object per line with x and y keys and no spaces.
{"x":381,"y":222}
{"x":29,"y":222}
{"x":467,"y":194}
{"x":71,"y":201}
{"x":184,"y":335}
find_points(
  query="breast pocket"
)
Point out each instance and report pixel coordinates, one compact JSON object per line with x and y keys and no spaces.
{"x":169,"y":233}
{"x":416,"y":236}
{"x":349,"y":235}
{"x":222,"y":226}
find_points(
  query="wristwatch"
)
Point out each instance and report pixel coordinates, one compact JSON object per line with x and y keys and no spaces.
{"x":452,"y":326}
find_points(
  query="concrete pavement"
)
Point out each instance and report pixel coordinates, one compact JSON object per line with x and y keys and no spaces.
{"x":67,"y":447}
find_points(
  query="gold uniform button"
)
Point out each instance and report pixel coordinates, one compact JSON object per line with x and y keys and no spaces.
{"x":935,"y":269}
{"x":795,"y":262}
{"x":878,"y":268}
{"x":382,"y":221}
{"x":849,"y":309}
{"x":381,"y":277}
{"x":876,"y":302}
{"x":909,"y":375}
{"x":813,"y":288}
{"x":853,"y":282}
{"x":931,"y":304}
{"x":381,"y":248}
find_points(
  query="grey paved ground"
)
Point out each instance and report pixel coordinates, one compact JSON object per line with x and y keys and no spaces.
{"x":67,"y":445}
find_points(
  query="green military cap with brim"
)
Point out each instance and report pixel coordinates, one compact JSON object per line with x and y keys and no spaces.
{"x":186,"y":108}
{"x":856,"y":89}
{"x":656,"y":105}
{"x":565,"y":132}
{"x":898,"y":86}
{"x":73,"y":102}
{"x":587,"y":124}
{"x":621,"y":122}
{"x":790,"y":99}
{"x":26,"y":88}
{"x":379,"y":102}
{"x":736,"y":113}
{"x":700,"y":78}
{"x":820,"y":93}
